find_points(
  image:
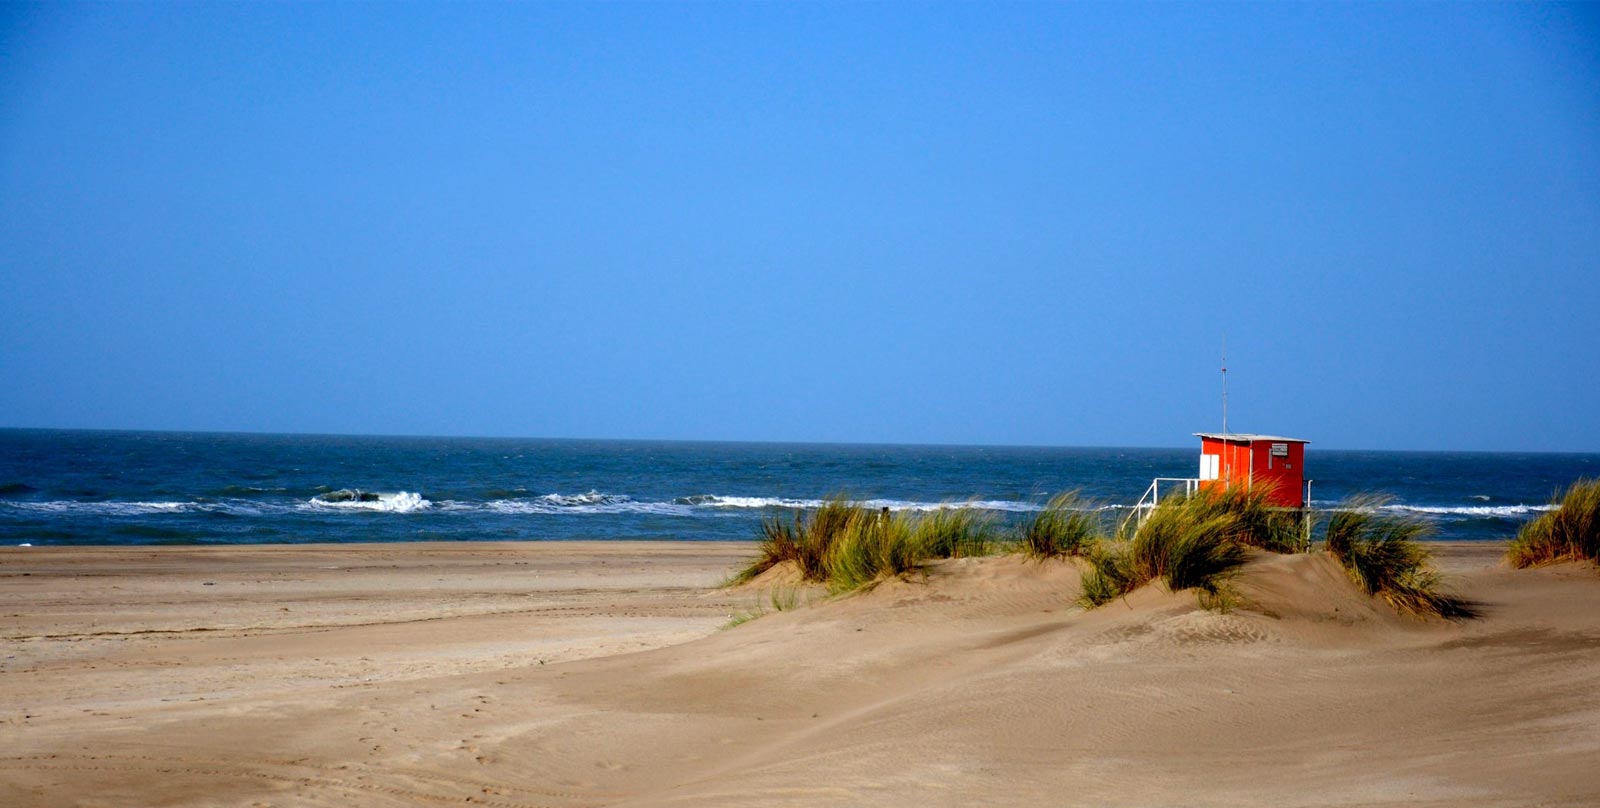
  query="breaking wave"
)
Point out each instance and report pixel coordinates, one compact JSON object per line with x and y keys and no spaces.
{"x":715,"y":501}
{"x":1473,"y":511}
{"x":555,"y":504}
{"x":576,"y":504}
{"x":595,"y":502}
{"x":592,"y":502}
{"x":352,"y":499}
{"x":583,"y":500}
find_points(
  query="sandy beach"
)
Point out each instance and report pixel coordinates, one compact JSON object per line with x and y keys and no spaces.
{"x":601,"y":673}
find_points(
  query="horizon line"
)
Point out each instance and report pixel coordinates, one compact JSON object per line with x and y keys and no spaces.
{"x":952,"y":445}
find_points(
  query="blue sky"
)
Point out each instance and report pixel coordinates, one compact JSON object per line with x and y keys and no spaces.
{"x":965,"y":223}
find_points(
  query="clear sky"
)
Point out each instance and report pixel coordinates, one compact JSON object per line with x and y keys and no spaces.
{"x":966,"y":223}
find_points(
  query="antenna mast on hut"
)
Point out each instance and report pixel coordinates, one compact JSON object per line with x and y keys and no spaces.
{"x":1224,"y":384}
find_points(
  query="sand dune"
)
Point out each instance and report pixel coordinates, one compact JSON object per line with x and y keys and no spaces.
{"x":595,"y":674}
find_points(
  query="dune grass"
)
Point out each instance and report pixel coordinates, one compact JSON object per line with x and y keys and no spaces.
{"x":883,"y":545}
{"x":1571,"y":532}
{"x":805,"y":541}
{"x":1186,"y":543}
{"x":1110,"y":576}
{"x":1196,"y":542}
{"x":955,"y":532}
{"x":1381,"y":553}
{"x":872,"y":547}
{"x":1256,"y":523}
{"x":1067,"y":526}
{"x":845,"y":545}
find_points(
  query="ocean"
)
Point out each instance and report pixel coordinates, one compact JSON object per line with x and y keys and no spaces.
{"x":85,"y":487}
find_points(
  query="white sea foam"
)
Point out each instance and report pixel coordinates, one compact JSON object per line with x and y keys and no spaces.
{"x":593,"y":502}
{"x":1487,"y":511}
{"x":590,"y":503}
{"x":600,"y":503}
{"x":113,"y":508}
{"x":397,"y":502}
{"x":978,"y":504}
{"x":715,"y":501}
{"x":582,"y":500}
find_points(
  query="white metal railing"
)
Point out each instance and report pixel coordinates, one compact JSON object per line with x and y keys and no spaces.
{"x":1152,"y":496}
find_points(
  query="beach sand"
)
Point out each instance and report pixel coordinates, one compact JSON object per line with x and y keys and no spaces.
{"x":598,"y":673}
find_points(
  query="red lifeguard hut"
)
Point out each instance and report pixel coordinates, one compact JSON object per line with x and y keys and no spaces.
{"x":1243,"y":459}
{"x":1247,"y":460}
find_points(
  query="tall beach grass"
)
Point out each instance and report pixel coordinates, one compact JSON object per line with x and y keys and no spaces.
{"x":1067,"y":526}
{"x":1197,"y":542}
{"x":1255,"y":521}
{"x":1192,"y":542}
{"x":1383,"y":555}
{"x":1571,"y":532}
{"x":845,"y":545}
{"x":806,"y":540}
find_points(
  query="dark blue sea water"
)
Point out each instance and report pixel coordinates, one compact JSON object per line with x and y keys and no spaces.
{"x":74,"y":487}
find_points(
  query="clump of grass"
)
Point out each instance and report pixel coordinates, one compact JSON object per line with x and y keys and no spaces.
{"x":828,"y":524}
{"x":874,"y":546}
{"x":778,"y":544}
{"x":1257,"y":522}
{"x":954,"y":533}
{"x":847,"y":545}
{"x":1066,"y":527}
{"x":1383,"y":556}
{"x":1187,"y":543}
{"x":1188,"y":551}
{"x":806,"y":542}
{"x":1110,"y":576}
{"x":1571,"y":532}
{"x":871,"y":547}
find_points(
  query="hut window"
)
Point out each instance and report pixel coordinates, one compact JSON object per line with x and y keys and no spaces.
{"x":1208,"y":466}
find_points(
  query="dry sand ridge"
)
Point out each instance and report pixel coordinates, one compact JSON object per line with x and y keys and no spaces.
{"x":589,"y":674}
